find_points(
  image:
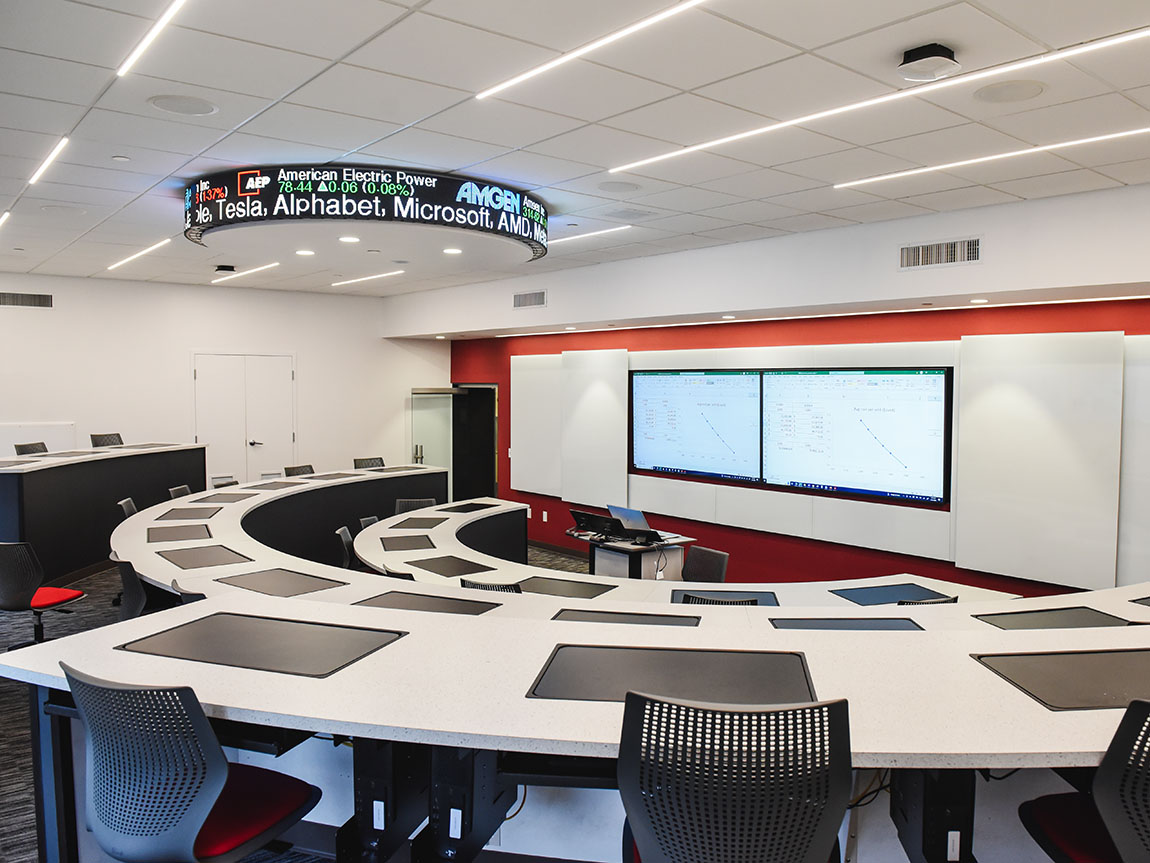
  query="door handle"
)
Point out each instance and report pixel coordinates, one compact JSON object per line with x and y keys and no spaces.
{"x":255,"y":443}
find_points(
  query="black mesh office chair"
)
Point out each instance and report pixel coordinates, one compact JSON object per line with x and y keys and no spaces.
{"x":501,"y":588}
{"x":699,"y":599}
{"x":724,"y":782}
{"x":1114,"y":826}
{"x":368,"y":521}
{"x":407,"y":504}
{"x":31,"y":448}
{"x":20,"y":578}
{"x":159,"y":787}
{"x":298,"y":470}
{"x":112,"y":439}
{"x":365,"y":463}
{"x":128,"y":506}
{"x":705,"y":564}
{"x":937,"y":600}
{"x":179,"y":491}
{"x":346,"y":545}
{"x":132,"y":596}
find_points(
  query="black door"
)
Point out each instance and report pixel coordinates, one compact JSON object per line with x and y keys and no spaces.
{"x":473,"y":443}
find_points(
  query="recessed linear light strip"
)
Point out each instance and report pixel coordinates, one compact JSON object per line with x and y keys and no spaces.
{"x":977,"y":161}
{"x":591,"y":234}
{"x":160,"y":24}
{"x":367,"y":278}
{"x":4,"y":216}
{"x":244,"y":273}
{"x":51,"y":158}
{"x":140,"y":254}
{"x":994,"y":71}
{"x":591,"y":46}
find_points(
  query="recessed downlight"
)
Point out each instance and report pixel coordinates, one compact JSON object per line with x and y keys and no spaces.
{"x":304,"y":253}
{"x":569,"y":328}
{"x":187,"y":106}
{"x":728,"y":317}
{"x":978,"y":301}
{"x":441,"y":337}
{"x":119,"y":158}
{"x":349,"y":239}
{"x":453,"y":251}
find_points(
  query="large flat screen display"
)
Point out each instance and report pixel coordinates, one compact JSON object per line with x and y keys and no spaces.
{"x":696,"y":422}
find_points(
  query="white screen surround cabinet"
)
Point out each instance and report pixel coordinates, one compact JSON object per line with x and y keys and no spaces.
{"x":594,"y":432}
{"x":536,"y":424}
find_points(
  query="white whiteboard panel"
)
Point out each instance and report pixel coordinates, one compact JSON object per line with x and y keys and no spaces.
{"x":1039,"y":437}
{"x":536,"y":423}
{"x":773,"y":511}
{"x":594,"y":439}
{"x":58,"y":437}
{"x":693,"y":500}
{"x":903,"y":529}
{"x":1134,"y":503}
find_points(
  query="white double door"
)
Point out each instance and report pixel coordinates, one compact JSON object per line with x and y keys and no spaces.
{"x":245,"y":413}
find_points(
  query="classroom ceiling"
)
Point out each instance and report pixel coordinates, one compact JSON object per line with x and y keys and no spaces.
{"x":375,"y":82}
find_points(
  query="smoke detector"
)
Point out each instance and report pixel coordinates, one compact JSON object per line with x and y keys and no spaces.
{"x":928,"y":63}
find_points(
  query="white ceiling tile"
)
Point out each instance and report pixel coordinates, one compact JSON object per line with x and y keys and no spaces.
{"x":962,"y":199}
{"x":809,"y":222}
{"x":761,"y":184}
{"x":751,"y":211}
{"x":810,"y":23}
{"x":98,"y":154}
{"x":880,"y":211}
{"x":82,"y":194}
{"x":498,"y":122}
{"x":1109,"y":152}
{"x":616,"y":212}
{"x":444,"y":152}
{"x":71,"y":31}
{"x":1057,"y":184}
{"x":38,"y":115}
{"x":691,"y":170}
{"x":594,"y":185}
{"x":623,"y":253}
{"x":10,"y":186}
{"x":112,"y":126}
{"x":50,"y":78}
{"x":1128,"y":172}
{"x":463,"y":57}
{"x":722,"y":49}
{"x":781,"y":146}
{"x":1060,"y":23}
{"x":826,"y":198}
{"x":951,"y":145}
{"x":587,"y":91}
{"x":1141,"y":95}
{"x":352,"y":90}
{"x":888,"y":121}
{"x":687,"y":199}
{"x":559,"y":201}
{"x":1030,"y":165}
{"x":342,"y":26}
{"x":919,"y":184}
{"x":26,"y":145}
{"x":1123,"y":66}
{"x":1061,"y":82}
{"x":849,"y":165}
{"x":743,"y":233}
{"x":978,"y":41}
{"x":241,"y":67}
{"x":685,"y":119}
{"x":794,"y":88}
{"x":254,"y":150}
{"x":683,"y":242}
{"x":528,"y":170}
{"x":99,"y":178}
{"x":1098,"y":115}
{"x":314,"y":126}
{"x":145,"y":8}
{"x":130,"y":94}
{"x":600,"y":145}
{"x":688,"y":223}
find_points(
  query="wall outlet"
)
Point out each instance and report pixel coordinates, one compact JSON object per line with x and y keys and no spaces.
{"x":544,"y":515}
{"x":529,"y":512}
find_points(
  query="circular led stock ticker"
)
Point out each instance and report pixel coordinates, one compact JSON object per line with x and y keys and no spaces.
{"x":365,"y":192}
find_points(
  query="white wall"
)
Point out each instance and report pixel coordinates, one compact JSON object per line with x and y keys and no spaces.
{"x":1026,"y":246}
{"x":117,"y":356}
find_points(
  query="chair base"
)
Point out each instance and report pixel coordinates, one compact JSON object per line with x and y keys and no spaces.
{"x":1068,"y":828}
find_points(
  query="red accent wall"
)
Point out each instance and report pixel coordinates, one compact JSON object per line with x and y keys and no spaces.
{"x":758,"y":556}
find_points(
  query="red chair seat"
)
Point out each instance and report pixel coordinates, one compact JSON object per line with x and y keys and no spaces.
{"x":49,"y":597}
{"x":1069,"y":828}
{"x":253,"y":801}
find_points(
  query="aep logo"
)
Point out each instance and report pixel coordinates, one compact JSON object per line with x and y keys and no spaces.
{"x":254,"y":183}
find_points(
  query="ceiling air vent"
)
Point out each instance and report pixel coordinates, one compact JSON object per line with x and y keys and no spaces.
{"x":529,"y":300}
{"x":940,"y":254}
{"x":40,"y":301}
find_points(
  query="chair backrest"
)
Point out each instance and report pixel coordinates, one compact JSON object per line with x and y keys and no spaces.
{"x":395,"y":573}
{"x":155,"y":768}
{"x":733,"y":782}
{"x":20,"y":576}
{"x":345,"y":538}
{"x":502,"y":588}
{"x":128,"y":506}
{"x":112,"y":439}
{"x":407,"y":504}
{"x":705,"y":564}
{"x":368,"y":521}
{"x":179,"y":491}
{"x":1122,"y":784}
{"x":134,"y":599}
{"x":699,"y":599}
{"x":31,"y":448}
{"x":298,"y":470}
{"x":937,"y":600}
{"x":371,"y":461}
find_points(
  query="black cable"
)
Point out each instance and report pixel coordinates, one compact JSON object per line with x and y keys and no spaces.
{"x":992,"y":778}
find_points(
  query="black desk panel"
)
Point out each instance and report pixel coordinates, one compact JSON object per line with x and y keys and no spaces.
{"x":406,"y":543}
{"x":466,"y":507}
{"x":886,"y":594}
{"x":503,"y":535}
{"x":223,"y":497}
{"x":266,"y":644}
{"x":563,"y":587}
{"x":419,"y":523}
{"x":638,"y":618}
{"x":1076,"y":617}
{"x":189,"y":513}
{"x":593,"y":673}
{"x":1076,"y":680}
{"x":761,"y":597}
{"x":1143,"y":601}
{"x":421,"y":602}
{"x":280,"y":582}
{"x":449,"y":565}
{"x":179,"y":532}
{"x":203,"y":556}
{"x":848,"y":623}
